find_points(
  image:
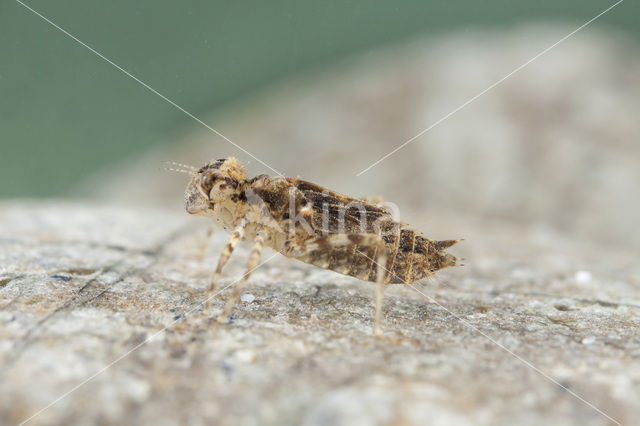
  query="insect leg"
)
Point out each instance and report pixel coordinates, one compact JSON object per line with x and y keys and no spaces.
{"x":374,"y":199}
{"x":379,"y":259}
{"x":333,"y":240}
{"x":254,"y":258}
{"x":224,"y":256}
{"x":207,"y":241}
{"x":381,"y":262}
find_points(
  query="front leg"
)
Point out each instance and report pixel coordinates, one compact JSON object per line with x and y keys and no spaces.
{"x":207,"y":241}
{"x":254,"y":258}
{"x":236,"y":236}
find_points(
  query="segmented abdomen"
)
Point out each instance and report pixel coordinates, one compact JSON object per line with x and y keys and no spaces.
{"x":410,"y":256}
{"x":417,"y":257}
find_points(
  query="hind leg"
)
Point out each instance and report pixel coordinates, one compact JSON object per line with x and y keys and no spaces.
{"x":379,"y":260}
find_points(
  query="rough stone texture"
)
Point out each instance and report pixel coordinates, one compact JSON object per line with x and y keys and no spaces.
{"x":83,"y":288}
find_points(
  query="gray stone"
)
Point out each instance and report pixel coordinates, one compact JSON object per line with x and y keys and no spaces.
{"x":96,"y":326}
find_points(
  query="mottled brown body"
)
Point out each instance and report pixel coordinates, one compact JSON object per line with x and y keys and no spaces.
{"x":312,"y":224}
{"x":410,"y":255}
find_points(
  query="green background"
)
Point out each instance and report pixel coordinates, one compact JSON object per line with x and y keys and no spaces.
{"x":65,"y":112}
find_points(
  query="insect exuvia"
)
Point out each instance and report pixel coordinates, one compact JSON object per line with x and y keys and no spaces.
{"x":299,"y":219}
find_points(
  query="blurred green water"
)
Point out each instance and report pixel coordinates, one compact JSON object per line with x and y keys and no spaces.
{"x":65,"y":112}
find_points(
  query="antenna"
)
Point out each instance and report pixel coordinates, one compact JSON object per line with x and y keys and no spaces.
{"x":184,"y":168}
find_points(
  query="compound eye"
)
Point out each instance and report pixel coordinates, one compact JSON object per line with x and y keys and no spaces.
{"x":208,"y":181}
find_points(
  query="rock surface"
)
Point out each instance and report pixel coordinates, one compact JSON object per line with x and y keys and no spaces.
{"x":96,"y":309}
